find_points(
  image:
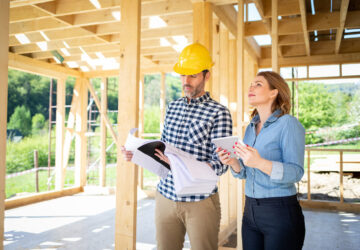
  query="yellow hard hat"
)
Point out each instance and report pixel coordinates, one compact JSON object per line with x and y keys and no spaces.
{"x":193,"y":59}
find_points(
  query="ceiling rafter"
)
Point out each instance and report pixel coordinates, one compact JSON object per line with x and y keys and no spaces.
{"x":339,"y":33}
{"x":304,"y":26}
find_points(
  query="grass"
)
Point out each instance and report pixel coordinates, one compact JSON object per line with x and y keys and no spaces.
{"x":26,"y":183}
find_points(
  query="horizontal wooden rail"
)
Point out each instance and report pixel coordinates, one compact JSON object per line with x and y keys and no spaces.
{"x":33,"y":198}
{"x":330,"y":205}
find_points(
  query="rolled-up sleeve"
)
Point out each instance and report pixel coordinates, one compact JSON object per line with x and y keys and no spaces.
{"x":292,"y":143}
{"x":222,"y":128}
{"x":242,"y":173}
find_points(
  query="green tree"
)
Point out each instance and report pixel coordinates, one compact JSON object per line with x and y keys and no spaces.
{"x":38,"y":123}
{"x":354,"y":107}
{"x":21,"y":120}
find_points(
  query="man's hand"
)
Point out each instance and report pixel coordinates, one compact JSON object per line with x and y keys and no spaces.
{"x":161,"y":156}
{"x":127,"y":154}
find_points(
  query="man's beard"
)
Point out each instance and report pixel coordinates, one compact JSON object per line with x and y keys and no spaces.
{"x":196,"y":91}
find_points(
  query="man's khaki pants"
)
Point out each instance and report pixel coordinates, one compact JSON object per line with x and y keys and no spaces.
{"x":201,"y":220}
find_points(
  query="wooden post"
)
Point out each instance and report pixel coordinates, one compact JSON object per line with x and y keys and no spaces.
{"x":202,"y":28}
{"x":36,"y":167}
{"x":126,"y":174}
{"x":50,"y":126}
{"x":60,"y":133}
{"x":240,"y":108}
{"x":224,"y":65}
{"x":341,"y":177}
{"x":162,"y":99}
{"x":215,"y":87}
{"x":104,"y":104}
{"x":308,"y":173}
{"x":4,"y":50}
{"x":141,"y":123}
{"x":274,"y":36}
{"x":80,"y":138}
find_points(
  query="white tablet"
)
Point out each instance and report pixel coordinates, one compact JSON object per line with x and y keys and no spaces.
{"x":227,"y":143}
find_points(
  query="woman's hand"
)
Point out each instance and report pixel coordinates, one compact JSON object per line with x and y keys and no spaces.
{"x":225,"y":158}
{"x":251,"y":158}
{"x":161,"y":156}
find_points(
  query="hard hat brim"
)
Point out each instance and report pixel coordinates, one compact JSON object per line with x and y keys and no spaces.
{"x":188,"y":71}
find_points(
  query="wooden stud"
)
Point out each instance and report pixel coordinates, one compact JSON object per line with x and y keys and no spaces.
{"x":339,"y":33}
{"x":162,"y":99}
{"x":274,"y":36}
{"x":80,"y":138}
{"x":69,"y":133}
{"x":215,"y":91}
{"x":240,"y":108}
{"x":60,"y":133}
{"x":341,"y":177}
{"x":126,"y":174}
{"x":202,"y":28}
{"x":141,"y":123}
{"x":232,"y":82}
{"x":224,"y":65}
{"x":103,"y":134}
{"x":308,"y":175}
{"x":4,"y":34}
{"x":304,"y":26}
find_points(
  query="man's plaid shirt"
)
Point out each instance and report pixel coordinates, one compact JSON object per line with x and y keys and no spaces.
{"x":191,"y":127}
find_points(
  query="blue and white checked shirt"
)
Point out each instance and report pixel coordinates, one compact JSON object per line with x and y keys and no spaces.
{"x":191,"y":127}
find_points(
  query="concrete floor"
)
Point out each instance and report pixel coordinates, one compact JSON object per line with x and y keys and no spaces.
{"x":87,"y":221}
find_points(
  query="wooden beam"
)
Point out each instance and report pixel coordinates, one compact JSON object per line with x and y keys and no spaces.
{"x":69,"y":133}
{"x":60,"y":133}
{"x":224,"y":67}
{"x":4,"y":34}
{"x":274,"y":36}
{"x":162,"y":99}
{"x":202,"y":28}
{"x":104,"y":104}
{"x":43,"y":196}
{"x":240,"y":107}
{"x":286,"y":8}
{"x":126,"y":183}
{"x":20,"y":3}
{"x":162,"y":8}
{"x":215,"y":91}
{"x":304,"y":26}
{"x":339,"y":33}
{"x":313,"y":60}
{"x":30,"y":65}
{"x":80,"y":138}
{"x":141,"y":123}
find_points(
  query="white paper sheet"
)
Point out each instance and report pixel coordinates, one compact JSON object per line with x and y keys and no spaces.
{"x":132,"y":142}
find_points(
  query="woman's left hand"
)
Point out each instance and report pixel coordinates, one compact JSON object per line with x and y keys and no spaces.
{"x":161,"y":156}
{"x":250,"y":156}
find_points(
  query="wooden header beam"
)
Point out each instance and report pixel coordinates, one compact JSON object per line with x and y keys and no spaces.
{"x":30,"y":65}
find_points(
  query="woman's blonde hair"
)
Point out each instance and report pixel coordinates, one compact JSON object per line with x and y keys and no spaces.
{"x":282,"y":100}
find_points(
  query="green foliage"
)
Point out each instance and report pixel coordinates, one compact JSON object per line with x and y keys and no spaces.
{"x":21,"y":120}
{"x":38,"y":123}
{"x":354,"y":107}
{"x":152,"y":119}
{"x":20,"y":155}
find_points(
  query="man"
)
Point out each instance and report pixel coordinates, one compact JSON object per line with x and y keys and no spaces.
{"x":191,"y":123}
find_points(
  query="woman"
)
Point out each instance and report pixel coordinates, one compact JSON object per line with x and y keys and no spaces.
{"x":271,"y":162}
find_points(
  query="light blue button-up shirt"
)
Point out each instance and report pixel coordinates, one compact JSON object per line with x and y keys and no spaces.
{"x":281,"y":141}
